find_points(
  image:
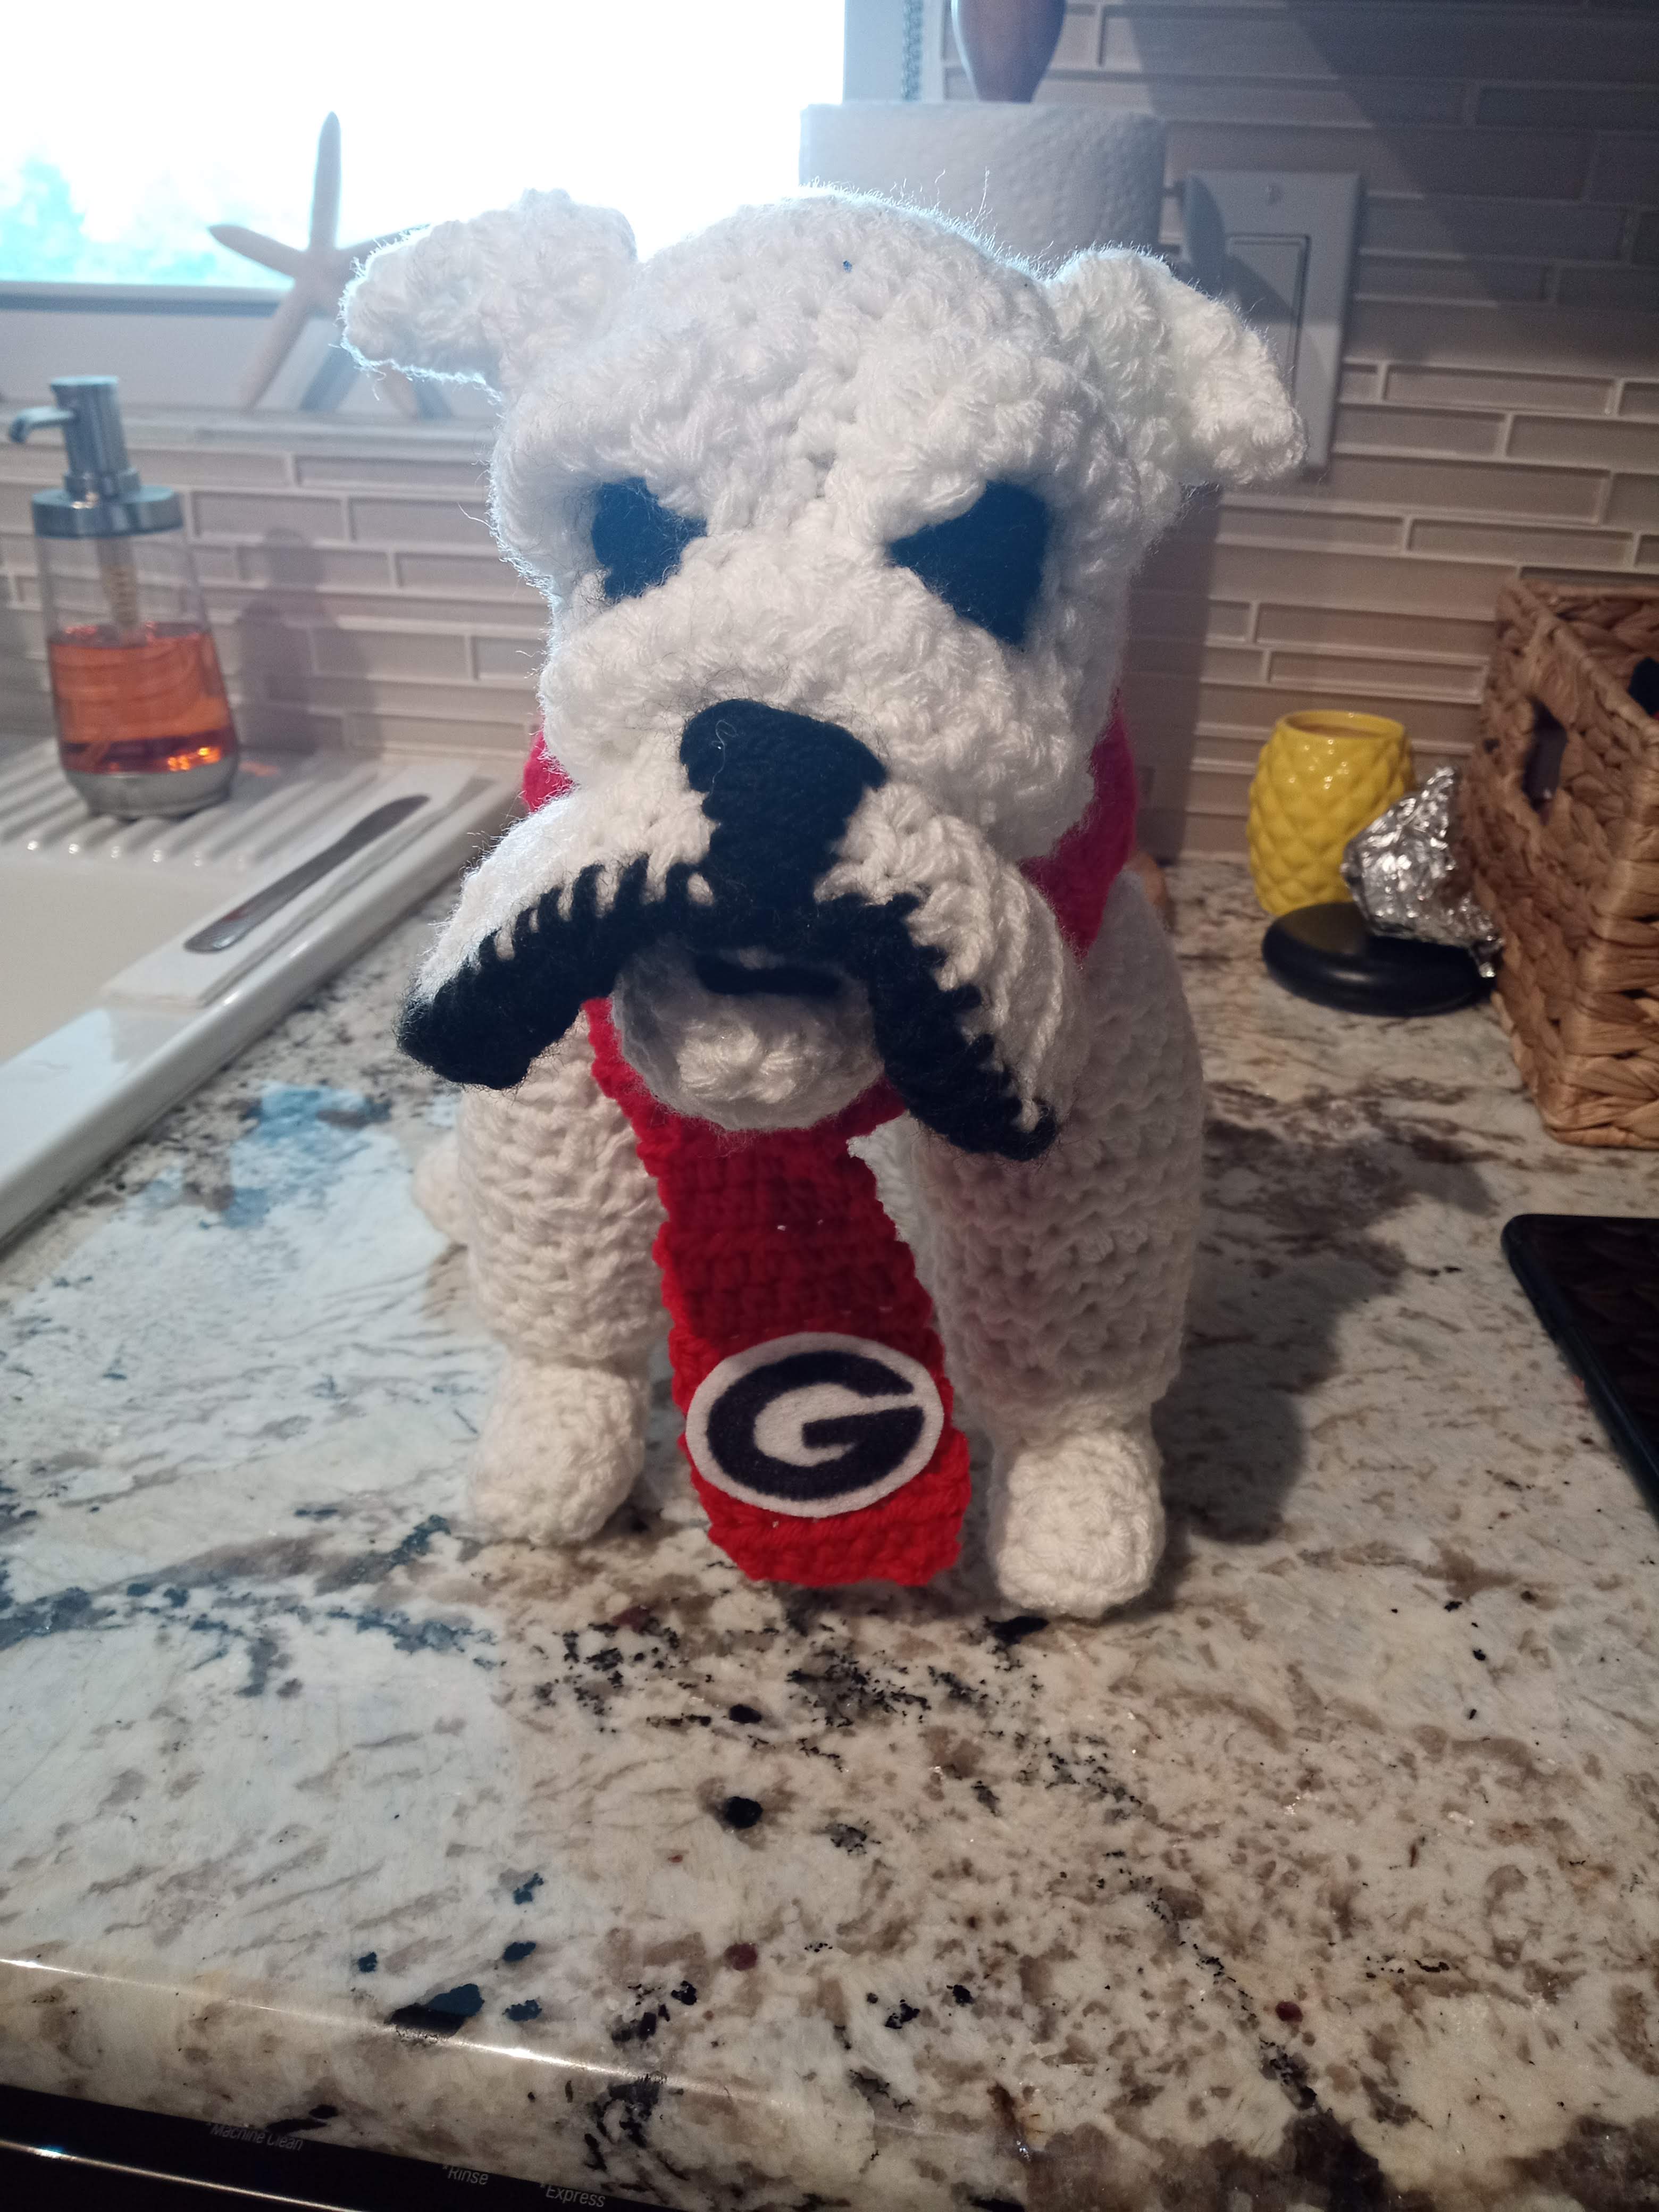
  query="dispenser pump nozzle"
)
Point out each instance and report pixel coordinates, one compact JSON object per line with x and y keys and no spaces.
{"x":102,"y":495}
{"x":94,"y":439}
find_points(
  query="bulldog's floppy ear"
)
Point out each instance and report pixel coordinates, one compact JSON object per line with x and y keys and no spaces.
{"x":1195,"y":389}
{"x":489,"y":297}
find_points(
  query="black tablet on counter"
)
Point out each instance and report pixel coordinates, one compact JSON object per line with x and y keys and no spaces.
{"x":1593,"y":1280}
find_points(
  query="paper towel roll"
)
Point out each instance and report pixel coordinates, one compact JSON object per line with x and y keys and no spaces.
{"x":1043,"y":182}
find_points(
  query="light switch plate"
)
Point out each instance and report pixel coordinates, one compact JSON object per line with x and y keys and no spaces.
{"x":1280,"y":246}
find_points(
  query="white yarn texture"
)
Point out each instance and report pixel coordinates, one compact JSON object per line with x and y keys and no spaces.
{"x":810,"y":382}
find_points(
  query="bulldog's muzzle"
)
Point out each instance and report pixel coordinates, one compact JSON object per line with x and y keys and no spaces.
{"x":774,"y":905}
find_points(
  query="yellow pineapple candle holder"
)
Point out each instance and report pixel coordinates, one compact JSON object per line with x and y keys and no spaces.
{"x":1322,"y":778}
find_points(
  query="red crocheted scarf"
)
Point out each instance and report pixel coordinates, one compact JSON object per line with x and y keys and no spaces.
{"x":805,"y":1357}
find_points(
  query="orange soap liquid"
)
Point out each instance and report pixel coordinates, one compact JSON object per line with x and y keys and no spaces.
{"x":142,"y":702}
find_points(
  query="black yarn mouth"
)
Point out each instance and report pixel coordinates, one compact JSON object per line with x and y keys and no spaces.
{"x":788,"y":979}
{"x":771,"y":845}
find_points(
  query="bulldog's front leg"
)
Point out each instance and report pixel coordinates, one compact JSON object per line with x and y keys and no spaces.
{"x":561,"y":1218}
{"x":1061,"y":1284}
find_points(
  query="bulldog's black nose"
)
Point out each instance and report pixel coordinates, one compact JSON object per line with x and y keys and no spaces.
{"x":780,"y":789}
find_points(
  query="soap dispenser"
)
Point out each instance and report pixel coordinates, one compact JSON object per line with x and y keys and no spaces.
{"x":143,"y":723}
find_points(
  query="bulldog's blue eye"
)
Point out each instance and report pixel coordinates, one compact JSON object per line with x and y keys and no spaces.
{"x":987,"y":565}
{"x":637,"y":541}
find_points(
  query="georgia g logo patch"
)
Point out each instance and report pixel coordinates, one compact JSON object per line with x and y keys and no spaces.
{"x":814,"y":1424}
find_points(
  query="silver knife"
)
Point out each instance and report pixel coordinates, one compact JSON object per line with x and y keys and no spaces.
{"x":231,"y":928}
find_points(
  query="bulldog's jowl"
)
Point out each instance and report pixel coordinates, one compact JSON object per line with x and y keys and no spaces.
{"x":780,"y":789}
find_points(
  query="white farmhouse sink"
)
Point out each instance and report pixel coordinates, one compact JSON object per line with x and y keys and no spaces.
{"x":106,"y":1016}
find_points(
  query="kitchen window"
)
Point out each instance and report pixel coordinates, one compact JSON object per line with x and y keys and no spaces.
{"x":675,"y":113}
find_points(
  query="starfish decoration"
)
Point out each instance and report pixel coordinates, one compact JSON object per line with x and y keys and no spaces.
{"x":320,"y":271}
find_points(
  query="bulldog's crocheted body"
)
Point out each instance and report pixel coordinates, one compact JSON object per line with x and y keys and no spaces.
{"x":837,"y":513}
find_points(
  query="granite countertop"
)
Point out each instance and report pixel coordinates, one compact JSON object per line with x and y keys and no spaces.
{"x":1322,"y":1877}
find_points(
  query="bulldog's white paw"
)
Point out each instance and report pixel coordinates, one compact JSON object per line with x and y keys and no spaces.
{"x":560,"y":1448}
{"x":1077,"y":1522}
{"x":437,"y":1184}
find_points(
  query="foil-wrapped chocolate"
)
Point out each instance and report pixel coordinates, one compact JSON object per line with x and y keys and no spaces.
{"x":1409,"y":880}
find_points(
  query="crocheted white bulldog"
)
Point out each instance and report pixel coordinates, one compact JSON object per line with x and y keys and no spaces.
{"x":836,"y":512}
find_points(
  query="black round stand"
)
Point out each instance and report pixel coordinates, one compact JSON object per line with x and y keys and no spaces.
{"x":1326,"y":953}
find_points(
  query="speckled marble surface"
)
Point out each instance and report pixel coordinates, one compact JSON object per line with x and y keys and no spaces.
{"x":1323,"y":1877}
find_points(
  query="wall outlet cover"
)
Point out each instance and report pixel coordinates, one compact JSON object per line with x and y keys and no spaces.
{"x":1280,"y":246}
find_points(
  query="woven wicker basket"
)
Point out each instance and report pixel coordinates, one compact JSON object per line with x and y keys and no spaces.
{"x":1571,"y":876}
